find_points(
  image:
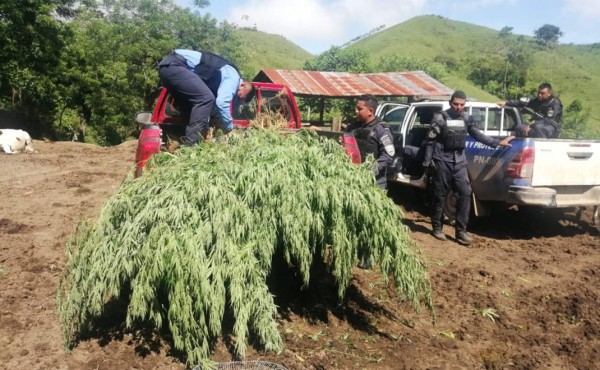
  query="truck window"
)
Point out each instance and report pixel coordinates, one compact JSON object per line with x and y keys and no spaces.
{"x":510,"y":119}
{"x":242,"y":110}
{"x":478,"y":114}
{"x":422,"y":123}
{"x":394,"y":118}
{"x":275,"y":102}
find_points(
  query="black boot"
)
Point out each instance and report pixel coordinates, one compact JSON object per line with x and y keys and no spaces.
{"x":463,"y":238}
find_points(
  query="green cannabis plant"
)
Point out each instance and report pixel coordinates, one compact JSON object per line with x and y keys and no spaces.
{"x":193,"y":239}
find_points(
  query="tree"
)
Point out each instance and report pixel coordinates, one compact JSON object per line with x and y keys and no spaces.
{"x":94,"y":73}
{"x":505,"y":31}
{"x":409,"y":62}
{"x":548,"y":34}
{"x":33,"y":38}
{"x":338,"y":59}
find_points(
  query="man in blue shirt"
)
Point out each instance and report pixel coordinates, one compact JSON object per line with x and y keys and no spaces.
{"x":200,"y":81}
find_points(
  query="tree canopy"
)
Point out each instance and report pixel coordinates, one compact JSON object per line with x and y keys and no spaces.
{"x":548,"y":34}
{"x":86,"y":72}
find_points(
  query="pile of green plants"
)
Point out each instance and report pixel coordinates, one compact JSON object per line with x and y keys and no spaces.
{"x":192,"y":241}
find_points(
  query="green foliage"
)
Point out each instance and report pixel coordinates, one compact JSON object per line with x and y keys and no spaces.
{"x":30,"y":49}
{"x":489,"y":313}
{"x":337,"y":59}
{"x":575,"y":120}
{"x":505,"y":31}
{"x":407,"y":62}
{"x":100,"y":66}
{"x":101,"y":63}
{"x":194,"y":239}
{"x":573,"y":70}
{"x":548,"y":34}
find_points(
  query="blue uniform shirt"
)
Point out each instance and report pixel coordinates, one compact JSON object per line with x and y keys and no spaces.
{"x":224,"y":92}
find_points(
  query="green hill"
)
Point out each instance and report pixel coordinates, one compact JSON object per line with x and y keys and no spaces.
{"x":265,"y":50}
{"x":573,"y":70}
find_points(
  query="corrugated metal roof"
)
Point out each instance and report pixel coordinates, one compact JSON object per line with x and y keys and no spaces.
{"x":344,"y":84}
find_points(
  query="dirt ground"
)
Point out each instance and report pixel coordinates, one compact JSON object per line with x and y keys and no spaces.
{"x":524,"y":296}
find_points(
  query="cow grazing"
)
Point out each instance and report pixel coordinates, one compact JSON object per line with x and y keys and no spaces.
{"x":15,"y":141}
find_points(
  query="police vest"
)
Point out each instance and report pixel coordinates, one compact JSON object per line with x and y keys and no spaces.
{"x":367,"y":140}
{"x":454,"y":132}
{"x":210,"y":63}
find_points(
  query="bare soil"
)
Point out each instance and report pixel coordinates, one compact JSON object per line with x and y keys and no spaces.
{"x":524,"y":296}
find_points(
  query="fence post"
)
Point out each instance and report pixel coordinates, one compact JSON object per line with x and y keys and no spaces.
{"x":336,"y":124}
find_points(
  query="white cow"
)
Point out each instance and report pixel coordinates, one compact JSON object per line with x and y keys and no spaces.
{"x":15,"y":141}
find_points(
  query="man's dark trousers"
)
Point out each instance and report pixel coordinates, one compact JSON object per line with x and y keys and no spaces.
{"x":449,"y":175}
{"x":191,"y":92}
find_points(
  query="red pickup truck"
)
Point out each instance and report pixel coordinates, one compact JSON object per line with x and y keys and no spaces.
{"x":165,"y":121}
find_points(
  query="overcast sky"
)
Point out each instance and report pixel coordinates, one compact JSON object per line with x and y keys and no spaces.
{"x":316,"y":25}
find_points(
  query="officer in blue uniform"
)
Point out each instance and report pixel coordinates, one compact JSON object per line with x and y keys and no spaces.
{"x":201,"y":81}
{"x":547,"y":106}
{"x":373,"y":137}
{"x":445,"y":150}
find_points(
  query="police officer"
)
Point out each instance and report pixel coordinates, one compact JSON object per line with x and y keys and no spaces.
{"x":445,"y":150}
{"x":373,"y":137}
{"x":199,"y":81}
{"x":549,"y":109}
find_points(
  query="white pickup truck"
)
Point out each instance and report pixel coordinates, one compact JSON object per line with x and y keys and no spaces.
{"x":549,"y":173}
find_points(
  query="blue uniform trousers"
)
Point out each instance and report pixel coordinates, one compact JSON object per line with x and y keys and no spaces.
{"x":191,"y":92}
{"x":451,"y":175}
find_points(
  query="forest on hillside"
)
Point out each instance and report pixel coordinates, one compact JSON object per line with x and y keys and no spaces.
{"x":84,"y":69}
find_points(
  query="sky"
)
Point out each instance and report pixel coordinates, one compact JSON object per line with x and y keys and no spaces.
{"x":317,"y":25}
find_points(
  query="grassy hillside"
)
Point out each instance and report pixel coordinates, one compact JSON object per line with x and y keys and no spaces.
{"x":573,"y":70}
{"x":266,"y":50}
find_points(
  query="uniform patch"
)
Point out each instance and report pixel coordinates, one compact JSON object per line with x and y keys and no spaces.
{"x":455,"y":123}
{"x":388,"y":145}
{"x":550,"y":113}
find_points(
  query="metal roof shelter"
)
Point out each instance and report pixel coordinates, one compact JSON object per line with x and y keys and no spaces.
{"x":415,"y":84}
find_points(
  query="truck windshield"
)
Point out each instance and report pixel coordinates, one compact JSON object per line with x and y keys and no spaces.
{"x":494,"y":118}
{"x":272,"y":102}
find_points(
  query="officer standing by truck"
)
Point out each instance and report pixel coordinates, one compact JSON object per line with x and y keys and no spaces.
{"x":199,"y":81}
{"x":445,"y":150}
{"x":373,"y":137}
{"x":549,"y":113}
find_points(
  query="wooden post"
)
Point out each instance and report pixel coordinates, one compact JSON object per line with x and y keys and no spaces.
{"x":336,"y":125}
{"x":321,"y":111}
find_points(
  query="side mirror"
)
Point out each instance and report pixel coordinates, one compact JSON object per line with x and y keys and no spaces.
{"x":143,"y":118}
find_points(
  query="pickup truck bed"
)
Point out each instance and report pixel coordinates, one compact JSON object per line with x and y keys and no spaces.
{"x":165,"y":121}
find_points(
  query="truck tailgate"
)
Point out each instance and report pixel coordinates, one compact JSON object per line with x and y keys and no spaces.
{"x":566,"y":162}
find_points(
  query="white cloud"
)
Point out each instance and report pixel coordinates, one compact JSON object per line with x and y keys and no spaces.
{"x":586,"y":9}
{"x":317,"y":24}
